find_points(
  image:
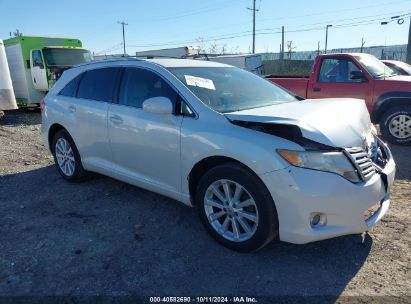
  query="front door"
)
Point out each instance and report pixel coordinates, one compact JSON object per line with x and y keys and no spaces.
{"x":335,"y":81}
{"x":38,"y":71}
{"x":145,"y":146}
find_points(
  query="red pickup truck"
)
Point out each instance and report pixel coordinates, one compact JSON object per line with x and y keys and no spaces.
{"x":387,"y":95}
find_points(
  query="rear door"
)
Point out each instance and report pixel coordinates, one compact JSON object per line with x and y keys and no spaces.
{"x":146,"y":146}
{"x":87,"y":115}
{"x":334,"y":80}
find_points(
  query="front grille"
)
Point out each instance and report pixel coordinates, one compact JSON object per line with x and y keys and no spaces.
{"x":362,"y":162}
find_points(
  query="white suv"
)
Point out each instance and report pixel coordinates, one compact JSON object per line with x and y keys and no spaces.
{"x":258,"y":162}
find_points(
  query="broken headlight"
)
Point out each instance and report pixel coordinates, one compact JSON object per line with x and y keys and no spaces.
{"x":335,"y":162}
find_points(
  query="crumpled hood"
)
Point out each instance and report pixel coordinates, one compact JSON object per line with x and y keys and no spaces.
{"x":338,"y":122}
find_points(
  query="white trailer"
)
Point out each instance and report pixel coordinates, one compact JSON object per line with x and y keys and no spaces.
{"x":179,"y":52}
{"x":7,"y":98}
{"x":250,"y":62}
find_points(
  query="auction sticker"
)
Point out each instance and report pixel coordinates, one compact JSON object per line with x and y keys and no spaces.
{"x":199,"y":82}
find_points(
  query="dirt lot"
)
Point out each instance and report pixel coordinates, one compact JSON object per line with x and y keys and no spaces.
{"x":104,"y":237}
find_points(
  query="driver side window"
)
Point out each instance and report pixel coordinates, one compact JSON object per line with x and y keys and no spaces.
{"x":37,"y":59}
{"x":138,"y":85}
{"x":337,"y":70}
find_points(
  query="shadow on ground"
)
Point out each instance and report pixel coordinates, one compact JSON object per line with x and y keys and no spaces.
{"x":104,"y":237}
{"x":401,"y":156}
{"x":23,"y":116}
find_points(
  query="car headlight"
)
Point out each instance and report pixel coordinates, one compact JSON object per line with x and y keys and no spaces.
{"x":335,"y":162}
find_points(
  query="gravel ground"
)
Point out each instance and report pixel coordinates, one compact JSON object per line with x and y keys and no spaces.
{"x":104,"y":237}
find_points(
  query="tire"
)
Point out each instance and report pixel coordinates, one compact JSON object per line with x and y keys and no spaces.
{"x":69,"y":165}
{"x":261,"y":217}
{"x":395,"y":125}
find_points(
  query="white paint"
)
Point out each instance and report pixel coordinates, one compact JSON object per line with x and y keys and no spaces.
{"x":7,"y":98}
{"x":158,"y":152}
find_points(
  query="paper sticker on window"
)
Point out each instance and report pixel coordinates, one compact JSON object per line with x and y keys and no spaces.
{"x":199,"y":82}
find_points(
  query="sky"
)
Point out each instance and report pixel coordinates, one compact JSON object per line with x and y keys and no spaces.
{"x":158,"y":24}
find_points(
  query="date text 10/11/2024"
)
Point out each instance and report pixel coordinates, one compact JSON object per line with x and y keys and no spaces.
{"x":203,"y":300}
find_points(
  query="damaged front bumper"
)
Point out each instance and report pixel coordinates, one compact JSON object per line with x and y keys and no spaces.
{"x":299,"y":194}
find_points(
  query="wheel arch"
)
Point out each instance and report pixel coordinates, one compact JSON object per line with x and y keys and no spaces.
{"x":207,"y":163}
{"x":54,"y":128}
{"x":388,"y":100}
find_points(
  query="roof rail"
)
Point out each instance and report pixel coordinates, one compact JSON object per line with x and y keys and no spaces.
{"x":113,"y":59}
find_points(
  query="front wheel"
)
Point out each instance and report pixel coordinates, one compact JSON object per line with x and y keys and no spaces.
{"x":236,"y":208}
{"x":396,"y":125}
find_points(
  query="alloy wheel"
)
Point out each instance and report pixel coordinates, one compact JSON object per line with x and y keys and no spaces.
{"x":65,"y":157}
{"x":231,"y":210}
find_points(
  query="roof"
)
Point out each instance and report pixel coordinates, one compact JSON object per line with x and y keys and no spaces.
{"x":349,"y":54}
{"x":392,"y":61}
{"x":165,"y":62}
{"x":179,"y":63}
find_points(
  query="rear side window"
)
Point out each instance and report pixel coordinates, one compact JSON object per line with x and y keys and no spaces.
{"x":139,"y":84}
{"x":98,"y":84}
{"x":71,"y":88}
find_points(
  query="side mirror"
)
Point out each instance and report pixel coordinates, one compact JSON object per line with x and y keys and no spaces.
{"x":158,"y":105}
{"x":358,"y":75}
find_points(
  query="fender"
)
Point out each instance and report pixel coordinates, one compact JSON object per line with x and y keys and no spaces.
{"x":387,"y":100}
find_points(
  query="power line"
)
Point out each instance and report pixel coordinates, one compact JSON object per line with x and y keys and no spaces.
{"x":268,"y":31}
{"x":205,"y":9}
{"x":315,"y":14}
{"x":337,"y":11}
{"x":114,"y":47}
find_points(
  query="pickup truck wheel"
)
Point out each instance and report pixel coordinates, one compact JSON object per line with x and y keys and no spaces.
{"x":236,"y":208}
{"x":396,"y":125}
{"x":67,"y":158}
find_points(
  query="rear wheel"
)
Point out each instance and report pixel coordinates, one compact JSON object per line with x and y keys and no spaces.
{"x":396,"y":125}
{"x":67,"y":158}
{"x":236,"y":208}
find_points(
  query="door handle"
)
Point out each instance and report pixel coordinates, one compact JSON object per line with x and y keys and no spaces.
{"x":316,"y":89}
{"x":34,"y":80}
{"x":115,"y":119}
{"x":72,"y":109}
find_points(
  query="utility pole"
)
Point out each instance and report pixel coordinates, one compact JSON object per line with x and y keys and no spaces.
{"x":124,"y":37}
{"x":318,"y":48}
{"x":282,"y":42}
{"x":326,"y":37}
{"x":254,"y":10}
{"x":409,"y":45}
{"x":362,"y":44}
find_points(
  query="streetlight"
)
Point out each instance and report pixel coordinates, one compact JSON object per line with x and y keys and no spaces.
{"x":400,"y":21}
{"x":326,"y":36}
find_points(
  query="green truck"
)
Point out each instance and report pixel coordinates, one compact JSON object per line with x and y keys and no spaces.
{"x":36,"y":63}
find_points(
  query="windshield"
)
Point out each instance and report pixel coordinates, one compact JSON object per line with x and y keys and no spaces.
{"x":374,"y":66}
{"x":402,"y":65}
{"x":229,"y":89}
{"x":65,"y":57}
